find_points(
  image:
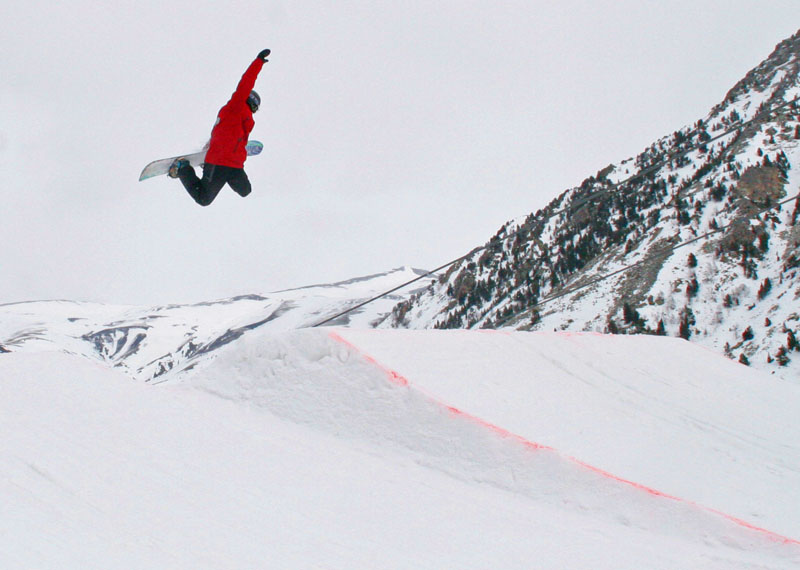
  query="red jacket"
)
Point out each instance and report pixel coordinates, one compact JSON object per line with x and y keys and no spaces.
{"x":234,"y":123}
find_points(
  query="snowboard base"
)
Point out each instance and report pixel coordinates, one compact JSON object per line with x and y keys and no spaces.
{"x":161,"y":166}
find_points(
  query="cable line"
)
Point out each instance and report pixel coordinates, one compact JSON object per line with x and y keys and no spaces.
{"x":402,"y":286}
{"x":579,"y":203}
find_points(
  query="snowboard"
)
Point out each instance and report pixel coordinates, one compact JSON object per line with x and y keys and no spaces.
{"x":159,"y":167}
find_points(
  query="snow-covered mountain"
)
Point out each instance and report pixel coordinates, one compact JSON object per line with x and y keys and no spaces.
{"x":697,"y":236}
{"x":237,"y":434}
{"x":153,"y":343}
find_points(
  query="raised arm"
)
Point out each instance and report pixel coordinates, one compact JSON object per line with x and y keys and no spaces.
{"x":248,"y":80}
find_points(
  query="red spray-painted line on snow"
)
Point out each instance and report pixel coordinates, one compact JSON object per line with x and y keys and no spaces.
{"x":393,"y":376}
{"x":496,"y":429}
{"x":400,"y":380}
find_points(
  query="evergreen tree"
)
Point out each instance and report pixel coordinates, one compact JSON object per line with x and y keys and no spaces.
{"x":791,"y":341}
{"x":781,"y":357}
{"x":687,"y":320}
{"x":718,"y":192}
{"x":629,"y":314}
{"x":766,"y":287}
{"x":692,"y":288}
{"x":763,"y":242}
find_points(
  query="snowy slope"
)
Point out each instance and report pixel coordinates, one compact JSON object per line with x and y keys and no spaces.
{"x":636,"y":406}
{"x":371,"y":449}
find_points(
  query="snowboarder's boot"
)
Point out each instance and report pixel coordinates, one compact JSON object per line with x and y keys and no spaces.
{"x":176,"y":166}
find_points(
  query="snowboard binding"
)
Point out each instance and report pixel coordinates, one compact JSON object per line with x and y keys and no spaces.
{"x":176,"y":166}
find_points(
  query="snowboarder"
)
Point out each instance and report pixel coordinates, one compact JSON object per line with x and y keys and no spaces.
{"x":224,"y":162}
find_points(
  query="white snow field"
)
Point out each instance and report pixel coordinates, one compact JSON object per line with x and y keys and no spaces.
{"x":342,"y":448}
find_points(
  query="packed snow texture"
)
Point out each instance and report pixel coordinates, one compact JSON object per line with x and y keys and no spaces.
{"x":402,"y":449}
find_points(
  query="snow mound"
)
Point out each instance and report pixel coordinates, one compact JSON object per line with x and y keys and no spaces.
{"x":329,"y":449}
{"x":660,"y":411}
{"x":324,"y":379}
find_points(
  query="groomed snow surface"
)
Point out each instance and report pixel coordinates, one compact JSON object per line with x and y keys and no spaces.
{"x":344,"y":448}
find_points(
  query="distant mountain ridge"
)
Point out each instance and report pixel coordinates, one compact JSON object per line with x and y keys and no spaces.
{"x":734,"y":289}
{"x":155,"y":344}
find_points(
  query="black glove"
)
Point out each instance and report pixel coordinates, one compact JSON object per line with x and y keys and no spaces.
{"x":263,"y":55}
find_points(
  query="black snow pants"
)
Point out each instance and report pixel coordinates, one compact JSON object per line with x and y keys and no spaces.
{"x":204,"y":190}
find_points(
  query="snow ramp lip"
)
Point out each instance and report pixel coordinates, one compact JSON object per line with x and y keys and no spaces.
{"x":398,"y":379}
{"x":320,"y":379}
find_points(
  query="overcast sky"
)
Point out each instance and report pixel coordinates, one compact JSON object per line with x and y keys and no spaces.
{"x":396,"y":133}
